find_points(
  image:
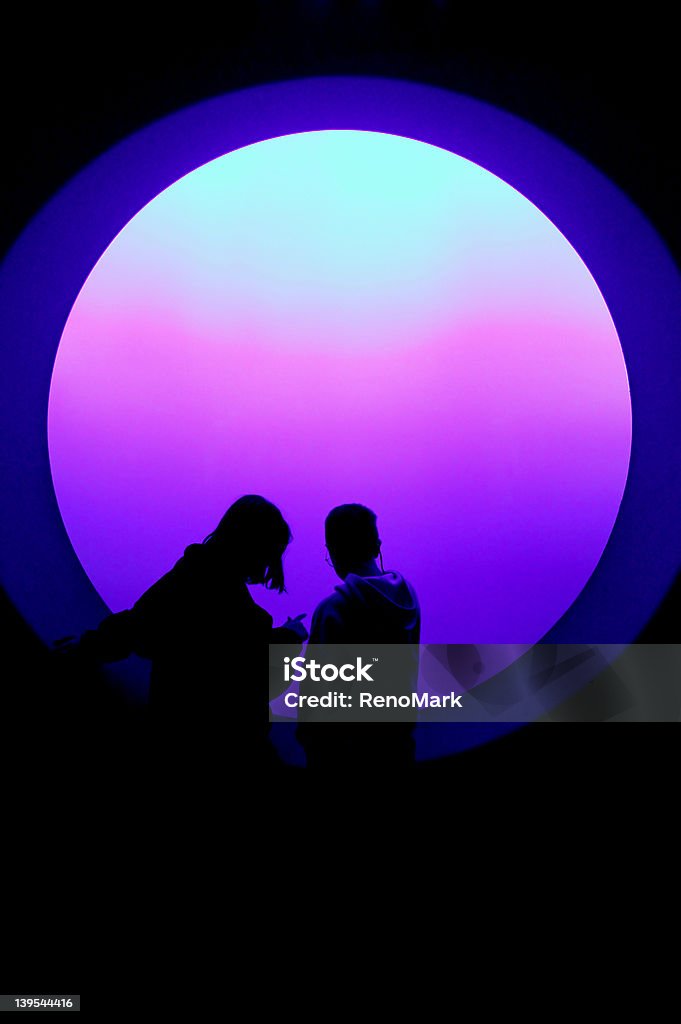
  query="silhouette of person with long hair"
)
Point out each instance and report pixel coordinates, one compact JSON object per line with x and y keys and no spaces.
{"x":370,"y":606}
{"x":206,"y":637}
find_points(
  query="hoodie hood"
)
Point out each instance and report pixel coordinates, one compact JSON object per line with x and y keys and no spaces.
{"x":389,"y":597}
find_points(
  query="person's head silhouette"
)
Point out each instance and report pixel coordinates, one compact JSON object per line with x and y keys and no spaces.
{"x":352,"y":540}
{"x":252,"y":537}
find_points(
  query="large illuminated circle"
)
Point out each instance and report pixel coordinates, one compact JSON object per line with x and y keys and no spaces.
{"x":347,"y":316}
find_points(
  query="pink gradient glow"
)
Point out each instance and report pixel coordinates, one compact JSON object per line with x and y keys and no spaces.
{"x":347,"y":316}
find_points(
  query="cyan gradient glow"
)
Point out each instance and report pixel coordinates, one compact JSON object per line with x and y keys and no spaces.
{"x":347,"y":316}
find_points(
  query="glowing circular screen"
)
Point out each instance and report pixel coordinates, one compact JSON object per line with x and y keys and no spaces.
{"x":339,"y":316}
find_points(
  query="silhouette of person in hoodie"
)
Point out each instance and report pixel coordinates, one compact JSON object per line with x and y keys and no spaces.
{"x":206,"y":637}
{"x":370,"y":606}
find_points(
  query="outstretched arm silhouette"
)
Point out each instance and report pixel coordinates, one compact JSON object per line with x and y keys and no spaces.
{"x":136,"y":630}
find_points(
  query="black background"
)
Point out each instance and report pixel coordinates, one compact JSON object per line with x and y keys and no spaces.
{"x":606,"y":86}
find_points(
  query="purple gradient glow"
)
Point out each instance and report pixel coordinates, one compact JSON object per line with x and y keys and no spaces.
{"x":347,"y":316}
